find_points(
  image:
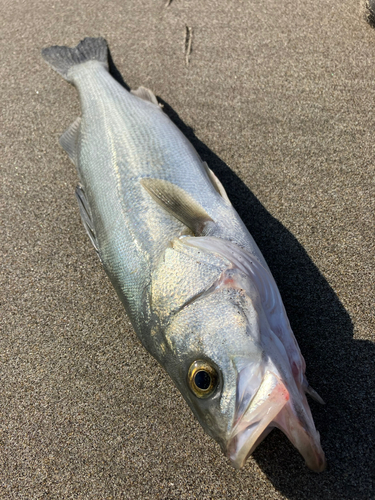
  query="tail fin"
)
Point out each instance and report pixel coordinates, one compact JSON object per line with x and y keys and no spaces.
{"x":63,"y":59}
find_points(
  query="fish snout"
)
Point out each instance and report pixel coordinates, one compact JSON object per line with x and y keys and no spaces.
{"x":251,"y":423}
{"x":272,"y":406}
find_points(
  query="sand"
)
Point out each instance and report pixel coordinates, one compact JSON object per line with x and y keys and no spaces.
{"x":279,"y":100}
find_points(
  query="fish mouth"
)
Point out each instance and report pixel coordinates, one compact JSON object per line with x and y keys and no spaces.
{"x":273,"y":406}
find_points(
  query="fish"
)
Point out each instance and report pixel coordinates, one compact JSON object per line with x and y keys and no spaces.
{"x":196,"y":287}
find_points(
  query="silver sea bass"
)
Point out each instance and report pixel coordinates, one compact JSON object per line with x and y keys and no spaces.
{"x":193,"y":281}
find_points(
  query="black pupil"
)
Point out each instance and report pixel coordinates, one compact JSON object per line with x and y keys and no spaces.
{"x":202,"y":380}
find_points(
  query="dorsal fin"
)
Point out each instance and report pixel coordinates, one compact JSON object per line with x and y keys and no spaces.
{"x":145,"y":94}
{"x":216,"y":183}
{"x":69,"y":140}
{"x":178,"y":203}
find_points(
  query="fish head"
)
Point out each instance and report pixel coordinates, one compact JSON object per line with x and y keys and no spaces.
{"x":236,"y":376}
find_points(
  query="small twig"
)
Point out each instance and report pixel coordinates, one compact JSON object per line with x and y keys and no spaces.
{"x":188,"y":43}
{"x":168,"y":3}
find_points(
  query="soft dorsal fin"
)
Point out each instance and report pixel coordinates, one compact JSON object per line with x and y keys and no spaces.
{"x":178,"y":203}
{"x":145,"y":94}
{"x":69,"y":140}
{"x":216,"y":183}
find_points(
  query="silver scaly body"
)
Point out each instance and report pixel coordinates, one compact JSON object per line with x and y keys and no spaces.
{"x":192,"y":279}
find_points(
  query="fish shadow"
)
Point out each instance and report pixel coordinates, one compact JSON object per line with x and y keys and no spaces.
{"x":339,"y":367}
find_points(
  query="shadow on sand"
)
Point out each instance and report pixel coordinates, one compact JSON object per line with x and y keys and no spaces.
{"x":340,"y":368}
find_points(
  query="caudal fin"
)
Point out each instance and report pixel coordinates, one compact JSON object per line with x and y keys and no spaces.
{"x":63,"y":59}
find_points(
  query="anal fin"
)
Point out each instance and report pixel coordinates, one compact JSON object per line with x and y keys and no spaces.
{"x":69,"y":140}
{"x":85,"y":212}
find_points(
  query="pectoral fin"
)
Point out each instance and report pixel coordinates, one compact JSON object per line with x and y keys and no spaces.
{"x":178,"y":203}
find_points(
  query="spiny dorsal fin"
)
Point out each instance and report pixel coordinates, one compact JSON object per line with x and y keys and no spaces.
{"x":69,"y":140}
{"x":216,"y":183}
{"x":145,"y":94}
{"x":178,"y":203}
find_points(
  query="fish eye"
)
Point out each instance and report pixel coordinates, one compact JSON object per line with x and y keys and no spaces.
{"x":202,"y":378}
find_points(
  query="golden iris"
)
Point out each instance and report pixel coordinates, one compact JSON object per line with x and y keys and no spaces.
{"x":202,"y":378}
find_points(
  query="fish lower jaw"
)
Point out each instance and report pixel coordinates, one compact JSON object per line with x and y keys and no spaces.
{"x":314,"y":458}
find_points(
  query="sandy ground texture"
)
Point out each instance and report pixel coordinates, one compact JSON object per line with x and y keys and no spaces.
{"x":278,"y":98}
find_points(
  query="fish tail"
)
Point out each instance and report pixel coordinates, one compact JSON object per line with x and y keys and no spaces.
{"x":63,"y":59}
